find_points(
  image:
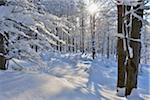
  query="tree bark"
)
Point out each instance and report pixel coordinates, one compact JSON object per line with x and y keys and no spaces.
{"x":120,"y":50}
{"x":93,"y":22}
{"x":108,"y":48}
{"x":82,"y":35}
{"x":133,"y":63}
{"x":2,"y":51}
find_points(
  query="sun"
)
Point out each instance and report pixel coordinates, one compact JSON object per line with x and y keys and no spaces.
{"x":92,"y":8}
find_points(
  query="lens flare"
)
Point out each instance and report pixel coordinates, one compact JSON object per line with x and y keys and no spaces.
{"x":92,"y":8}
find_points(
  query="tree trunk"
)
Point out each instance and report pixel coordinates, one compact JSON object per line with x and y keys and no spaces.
{"x":133,"y":63}
{"x":82,"y":35}
{"x":57,"y":46}
{"x":93,"y":22}
{"x":2,"y":51}
{"x":108,"y":48}
{"x":120,"y":51}
{"x":73,"y":47}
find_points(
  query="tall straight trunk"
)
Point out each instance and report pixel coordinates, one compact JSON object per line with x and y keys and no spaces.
{"x":64,"y":45}
{"x":133,"y":63}
{"x":57,"y":43}
{"x":69,"y":43}
{"x":93,"y":35}
{"x":82,"y":35}
{"x":103,"y":44}
{"x":61,"y":37}
{"x":2,"y":48}
{"x":108,"y":48}
{"x":112,"y":47}
{"x":73,"y":47}
{"x":76,"y":45}
{"x":36,"y":47}
{"x":108,"y":43}
{"x":98,"y":43}
{"x":120,"y":50}
{"x":2,"y":51}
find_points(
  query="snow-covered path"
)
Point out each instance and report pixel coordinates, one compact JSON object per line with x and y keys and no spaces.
{"x":62,"y":81}
{"x":29,"y":86}
{"x":68,"y":79}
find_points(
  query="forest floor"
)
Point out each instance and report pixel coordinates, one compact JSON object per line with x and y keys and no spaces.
{"x":68,"y":77}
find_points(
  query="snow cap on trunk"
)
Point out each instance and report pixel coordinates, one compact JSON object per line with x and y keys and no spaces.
{"x":128,"y":2}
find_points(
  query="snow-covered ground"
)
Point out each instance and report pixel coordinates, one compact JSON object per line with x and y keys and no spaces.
{"x":68,"y":77}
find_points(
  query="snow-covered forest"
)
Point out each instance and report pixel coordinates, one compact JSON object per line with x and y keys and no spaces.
{"x":74,"y":50}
